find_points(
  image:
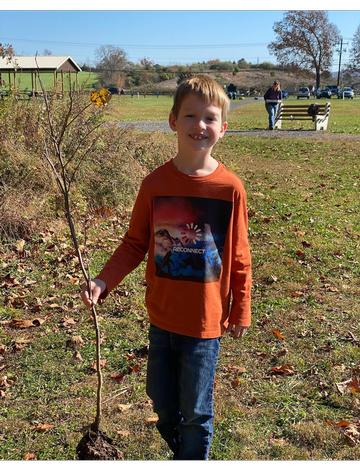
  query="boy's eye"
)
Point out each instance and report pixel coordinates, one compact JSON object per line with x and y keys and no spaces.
{"x":208,"y":118}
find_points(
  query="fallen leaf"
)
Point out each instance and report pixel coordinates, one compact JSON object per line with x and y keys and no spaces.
{"x":238,"y":369}
{"x":20,"y":245}
{"x":6,"y":381}
{"x":285,"y":369}
{"x":278,"y":334}
{"x":43,"y":427}
{"x":117,"y":377}
{"x":21,"y":324}
{"x":123,"y":433}
{"x":29,"y":456}
{"x":283,"y":352}
{"x":261,"y":356}
{"x":300,"y":254}
{"x":75,"y":342}
{"x":103,"y":211}
{"x":77,"y":356}
{"x":354,"y":384}
{"x":352,"y":433}
{"x":124,"y":407}
{"x":351,"y":430}
{"x":235,"y":383}
{"x":103,"y":363}
{"x":67,"y":321}
{"x":10,"y":281}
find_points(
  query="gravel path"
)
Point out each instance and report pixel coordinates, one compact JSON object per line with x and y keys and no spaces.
{"x":163,"y":126}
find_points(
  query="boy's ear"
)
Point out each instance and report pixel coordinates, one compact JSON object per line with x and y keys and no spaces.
{"x":223,"y":129}
{"x":172,"y":121}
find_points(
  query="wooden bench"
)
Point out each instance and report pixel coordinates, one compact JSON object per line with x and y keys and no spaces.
{"x":299,"y":112}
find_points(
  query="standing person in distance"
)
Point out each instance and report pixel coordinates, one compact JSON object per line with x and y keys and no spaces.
{"x":272,"y":98}
{"x":190,"y":217}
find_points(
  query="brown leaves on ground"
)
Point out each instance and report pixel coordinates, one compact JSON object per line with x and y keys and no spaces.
{"x":285,"y":369}
{"x":352,"y":384}
{"x":5,"y":383}
{"x":351,"y":430}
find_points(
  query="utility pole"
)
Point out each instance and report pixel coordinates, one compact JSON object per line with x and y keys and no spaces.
{"x":340,"y":52}
{"x":341,"y":44}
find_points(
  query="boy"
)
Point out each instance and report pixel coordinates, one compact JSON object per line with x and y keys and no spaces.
{"x":190,"y":217}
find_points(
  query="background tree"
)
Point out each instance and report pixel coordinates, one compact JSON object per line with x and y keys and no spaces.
{"x":306,"y":39}
{"x":354,"y":58}
{"x":110,"y":63}
{"x":6,"y":50}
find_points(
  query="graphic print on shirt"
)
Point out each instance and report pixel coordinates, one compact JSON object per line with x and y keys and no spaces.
{"x":190,"y":234}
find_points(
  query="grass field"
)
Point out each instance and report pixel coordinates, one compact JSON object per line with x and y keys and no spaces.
{"x":344,"y":114}
{"x":24,"y":81}
{"x":289,"y":390}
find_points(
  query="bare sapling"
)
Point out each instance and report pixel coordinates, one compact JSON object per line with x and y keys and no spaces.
{"x":66,"y":144}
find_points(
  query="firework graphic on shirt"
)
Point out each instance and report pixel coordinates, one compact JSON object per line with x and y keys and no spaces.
{"x":190,"y":234}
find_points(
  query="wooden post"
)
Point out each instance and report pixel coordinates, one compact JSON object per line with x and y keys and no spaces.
{"x":32,"y":85}
{"x":62,"y":83}
{"x":77,"y":83}
{"x":55,"y":84}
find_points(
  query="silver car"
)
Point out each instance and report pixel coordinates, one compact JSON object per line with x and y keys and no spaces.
{"x":303,"y":92}
{"x":348,"y":93}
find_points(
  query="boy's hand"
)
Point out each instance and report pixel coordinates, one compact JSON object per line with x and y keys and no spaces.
{"x":97,"y":287}
{"x":236,"y":330}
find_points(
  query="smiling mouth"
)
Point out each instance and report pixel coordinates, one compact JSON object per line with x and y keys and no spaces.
{"x":198,"y":137}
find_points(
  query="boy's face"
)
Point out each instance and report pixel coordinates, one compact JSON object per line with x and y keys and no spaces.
{"x":198,"y":125}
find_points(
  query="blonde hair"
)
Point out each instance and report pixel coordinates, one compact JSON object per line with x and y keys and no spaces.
{"x":205,"y":88}
{"x":277,"y":84}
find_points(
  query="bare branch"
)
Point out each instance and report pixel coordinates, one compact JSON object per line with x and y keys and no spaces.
{"x":64,"y":182}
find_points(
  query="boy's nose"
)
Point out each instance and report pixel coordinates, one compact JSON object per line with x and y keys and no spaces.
{"x":200,"y":124}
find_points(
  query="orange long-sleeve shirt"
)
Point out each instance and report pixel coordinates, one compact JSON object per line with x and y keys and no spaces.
{"x":194,"y":229}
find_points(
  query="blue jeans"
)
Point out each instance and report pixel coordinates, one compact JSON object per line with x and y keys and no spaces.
{"x":180,"y":381}
{"x":271,"y":109}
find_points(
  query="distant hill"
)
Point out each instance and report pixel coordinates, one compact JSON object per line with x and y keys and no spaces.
{"x":249,"y":79}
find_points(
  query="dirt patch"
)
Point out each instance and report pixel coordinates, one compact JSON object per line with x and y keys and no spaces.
{"x":97,"y":447}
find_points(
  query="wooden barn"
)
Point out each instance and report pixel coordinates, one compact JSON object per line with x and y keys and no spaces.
{"x":61,"y":67}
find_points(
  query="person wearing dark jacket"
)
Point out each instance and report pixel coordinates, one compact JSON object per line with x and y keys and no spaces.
{"x":272,"y":99}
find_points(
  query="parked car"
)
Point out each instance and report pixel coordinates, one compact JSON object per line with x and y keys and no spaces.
{"x":334,"y":89}
{"x":284,"y":94}
{"x":303,"y":92}
{"x":325,"y":93}
{"x":348,"y":93}
{"x":114,"y":91}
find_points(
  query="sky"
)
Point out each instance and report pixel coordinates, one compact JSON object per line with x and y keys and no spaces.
{"x":166,"y":37}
